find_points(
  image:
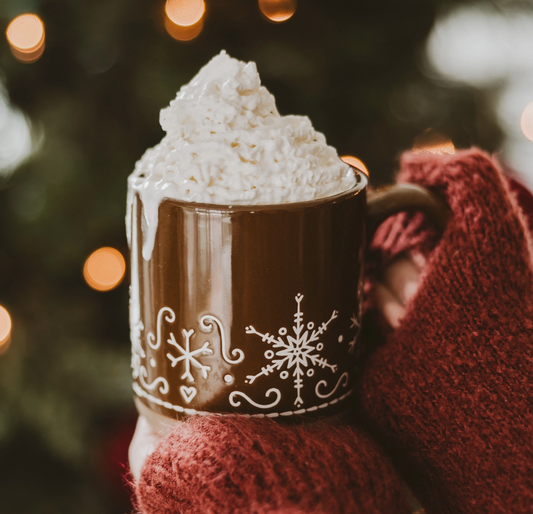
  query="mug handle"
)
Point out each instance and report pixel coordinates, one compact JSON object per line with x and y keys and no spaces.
{"x":404,"y":197}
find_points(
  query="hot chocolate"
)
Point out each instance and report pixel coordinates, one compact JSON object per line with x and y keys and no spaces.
{"x":243,"y":222}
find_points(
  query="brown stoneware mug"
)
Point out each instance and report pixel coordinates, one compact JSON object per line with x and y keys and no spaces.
{"x":254,"y":310}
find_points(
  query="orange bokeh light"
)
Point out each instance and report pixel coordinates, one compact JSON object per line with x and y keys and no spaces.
{"x":181,"y":33}
{"x":433,"y":142}
{"x":526,"y":121}
{"x":25,"y":35}
{"x":104,"y":269}
{"x":185,"y":12}
{"x":355,"y":162}
{"x":278,"y":10}
{"x":5,"y":329}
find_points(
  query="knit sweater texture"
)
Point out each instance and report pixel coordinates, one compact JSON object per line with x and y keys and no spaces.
{"x":238,"y":465}
{"x":451,"y":390}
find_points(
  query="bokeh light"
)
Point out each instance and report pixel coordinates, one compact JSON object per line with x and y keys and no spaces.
{"x":526,"y":121}
{"x":183,"y":33}
{"x":17,"y":139}
{"x":25,"y":35}
{"x":5,"y":329}
{"x":278,"y":10}
{"x":185,"y":12}
{"x":355,"y":162}
{"x":433,"y":142}
{"x":104,"y":269}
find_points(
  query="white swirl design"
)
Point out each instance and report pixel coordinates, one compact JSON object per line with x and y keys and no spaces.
{"x":135,"y":365}
{"x":163,"y":389}
{"x":237,"y":403}
{"x":170,"y":318}
{"x":207,"y":324}
{"x":323,"y":383}
{"x":141,"y":393}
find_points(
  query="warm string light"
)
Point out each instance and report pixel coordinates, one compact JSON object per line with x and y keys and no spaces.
{"x":184,"y":19}
{"x":433,"y":142}
{"x":355,"y":162}
{"x":5,"y":329}
{"x":185,"y":12}
{"x":277,"y":11}
{"x":104,"y":269}
{"x":25,"y":35}
{"x":181,"y":33}
{"x":526,"y":121}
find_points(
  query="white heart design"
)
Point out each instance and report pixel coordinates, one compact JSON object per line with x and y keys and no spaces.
{"x":188,"y":393}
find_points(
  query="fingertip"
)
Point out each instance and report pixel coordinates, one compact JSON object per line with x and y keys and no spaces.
{"x":402,"y":278}
{"x":390,"y":308}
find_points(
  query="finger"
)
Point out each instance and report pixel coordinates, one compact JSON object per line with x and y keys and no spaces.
{"x":143,"y":444}
{"x":389,"y":306}
{"x":402,"y":278}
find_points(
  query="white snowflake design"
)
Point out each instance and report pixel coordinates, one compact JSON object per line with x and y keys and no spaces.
{"x":294,"y":352}
{"x":354,"y":324}
{"x":188,"y":356}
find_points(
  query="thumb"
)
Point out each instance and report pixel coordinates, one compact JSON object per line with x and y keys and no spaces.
{"x":142,"y":445}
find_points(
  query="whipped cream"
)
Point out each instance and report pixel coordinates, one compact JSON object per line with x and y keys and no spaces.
{"x":227,"y":144}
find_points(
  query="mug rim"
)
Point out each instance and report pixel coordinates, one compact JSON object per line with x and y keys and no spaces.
{"x":360,"y":185}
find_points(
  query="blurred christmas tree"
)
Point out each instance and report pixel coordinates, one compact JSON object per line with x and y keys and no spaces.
{"x":93,"y":100}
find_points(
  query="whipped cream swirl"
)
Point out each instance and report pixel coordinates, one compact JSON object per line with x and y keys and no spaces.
{"x":227,"y":144}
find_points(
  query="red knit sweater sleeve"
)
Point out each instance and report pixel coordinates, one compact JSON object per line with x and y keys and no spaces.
{"x":451,"y":390}
{"x":238,"y":465}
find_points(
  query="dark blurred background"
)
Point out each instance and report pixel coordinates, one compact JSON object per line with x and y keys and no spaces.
{"x":76,"y":115}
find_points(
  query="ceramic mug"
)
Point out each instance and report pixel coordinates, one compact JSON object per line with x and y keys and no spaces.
{"x":254,"y":310}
